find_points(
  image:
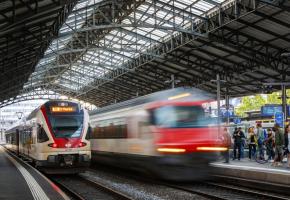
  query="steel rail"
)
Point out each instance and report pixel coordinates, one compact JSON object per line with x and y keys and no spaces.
{"x":100,"y":188}
{"x":68,"y":191}
{"x":106,"y":189}
{"x":249,"y":191}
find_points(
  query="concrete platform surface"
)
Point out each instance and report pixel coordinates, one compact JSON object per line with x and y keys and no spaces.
{"x":252,"y":170}
{"x":20,"y":181}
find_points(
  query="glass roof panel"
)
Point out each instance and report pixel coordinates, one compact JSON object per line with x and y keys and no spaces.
{"x":120,"y":45}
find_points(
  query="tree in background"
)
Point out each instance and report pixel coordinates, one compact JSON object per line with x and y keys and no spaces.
{"x":251,"y":103}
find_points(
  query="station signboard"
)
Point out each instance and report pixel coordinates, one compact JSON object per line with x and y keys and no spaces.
{"x":270,"y":110}
{"x":279,"y":118}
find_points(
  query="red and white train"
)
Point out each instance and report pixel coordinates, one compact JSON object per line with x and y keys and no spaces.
{"x":53,"y":137}
{"x":169,"y":134}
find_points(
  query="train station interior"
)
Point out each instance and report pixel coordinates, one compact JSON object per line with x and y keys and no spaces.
{"x":144,"y":99}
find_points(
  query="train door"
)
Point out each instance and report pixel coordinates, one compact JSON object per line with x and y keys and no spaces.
{"x":33,"y":141}
{"x":17,"y":141}
{"x":142,"y":141}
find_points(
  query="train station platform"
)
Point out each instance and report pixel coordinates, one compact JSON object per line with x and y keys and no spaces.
{"x":19,"y":180}
{"x":253,"y":172}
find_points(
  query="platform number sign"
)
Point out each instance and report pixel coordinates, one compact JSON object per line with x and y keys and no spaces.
{"x":237,"y":120}
{"x":279,"y":118}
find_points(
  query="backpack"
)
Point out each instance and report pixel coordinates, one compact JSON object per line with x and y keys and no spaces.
{"x":261,"y":136}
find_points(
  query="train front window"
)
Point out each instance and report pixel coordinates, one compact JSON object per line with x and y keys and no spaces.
{"x":180,"y":117}
{"x":67,"y":126}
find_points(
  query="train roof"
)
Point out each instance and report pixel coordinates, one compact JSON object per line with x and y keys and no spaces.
{"x":193,"y":94}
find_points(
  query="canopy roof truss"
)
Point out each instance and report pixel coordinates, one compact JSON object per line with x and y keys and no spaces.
{"x":26,"y":30}
{"x":113,"y":50}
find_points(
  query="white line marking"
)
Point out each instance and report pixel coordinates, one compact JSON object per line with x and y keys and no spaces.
{"x":36,"y":190}
{"x":260,"y":169}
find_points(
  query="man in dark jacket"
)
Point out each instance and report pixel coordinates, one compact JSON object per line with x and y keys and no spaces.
{"x":279,"y":143}
{"x":238,"y":140}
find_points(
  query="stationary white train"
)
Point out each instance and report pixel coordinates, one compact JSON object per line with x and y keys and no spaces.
{"x":53,"y":137}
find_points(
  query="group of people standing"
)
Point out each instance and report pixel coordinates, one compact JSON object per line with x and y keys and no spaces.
{"x":275,"y":141}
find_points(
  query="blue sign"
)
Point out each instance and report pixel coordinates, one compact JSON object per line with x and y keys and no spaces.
{"x":279,"y":118}
{"x":270,"y":110}
{"x":227,"y":113}
{"x":237,"y":120}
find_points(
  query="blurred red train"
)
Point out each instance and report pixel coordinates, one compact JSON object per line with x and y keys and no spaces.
{"x":169,"y":134}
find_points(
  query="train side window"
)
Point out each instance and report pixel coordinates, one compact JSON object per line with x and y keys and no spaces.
{"x":109,"y":129}
{"x":41,"y":135}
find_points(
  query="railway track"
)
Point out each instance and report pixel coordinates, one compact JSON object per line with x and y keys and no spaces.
{"x":79,"y":188}
{"x":216,"y":190}
{"x":257,"y":193}
{"x":226,"y":192}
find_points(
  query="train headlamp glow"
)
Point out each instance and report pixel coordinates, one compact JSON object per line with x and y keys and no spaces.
{"x":171,"y":150}
{"x":179,"y":96}
{"x":62,"y":109}
{"x":212,"y":148}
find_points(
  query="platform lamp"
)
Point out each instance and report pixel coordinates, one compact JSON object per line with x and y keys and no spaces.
{"x":19,"y":115}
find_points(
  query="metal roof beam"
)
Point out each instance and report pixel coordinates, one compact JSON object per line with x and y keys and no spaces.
{"x":143,"y":25}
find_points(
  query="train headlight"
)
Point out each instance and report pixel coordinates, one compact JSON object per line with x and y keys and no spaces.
{"x":53,"y":145}
{"x":171,"y":150}
{"x":82,"y":144}
{"x":212,"y":148}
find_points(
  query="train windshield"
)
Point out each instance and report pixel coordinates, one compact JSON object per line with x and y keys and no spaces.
{"x":181,"y":117}
{"x":67,"y":126}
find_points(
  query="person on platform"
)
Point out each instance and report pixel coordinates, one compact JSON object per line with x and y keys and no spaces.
{"x":269,"y":142}
{"x":228,"y":143}
{"x":260,"y":139}
{"x":238,"y":139}
{"x":287,"y":144}
{"x":252,"y":138}
{"x":279,"y":143}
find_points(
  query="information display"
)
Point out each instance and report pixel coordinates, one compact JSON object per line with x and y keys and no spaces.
{"x":270,"y":110}
{"x":63,"y":109}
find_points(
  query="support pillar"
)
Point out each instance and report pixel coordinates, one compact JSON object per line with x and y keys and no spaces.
{"x":284,"y":101}
{"x":227,"y":97}
{"x":218,"y":90}
{"x":218,"y":83}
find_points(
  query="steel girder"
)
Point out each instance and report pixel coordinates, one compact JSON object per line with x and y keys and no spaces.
{"x":173,"y":55}
{"x":27,"y":28}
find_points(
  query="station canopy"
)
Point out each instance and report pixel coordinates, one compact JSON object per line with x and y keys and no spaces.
{"x":108,"y":51}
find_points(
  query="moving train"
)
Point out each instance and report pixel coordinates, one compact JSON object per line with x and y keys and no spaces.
{"x":54,"y":137}
{"x":169,"y":134}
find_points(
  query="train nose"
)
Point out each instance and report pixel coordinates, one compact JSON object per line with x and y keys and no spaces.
{"x":68,"y":145}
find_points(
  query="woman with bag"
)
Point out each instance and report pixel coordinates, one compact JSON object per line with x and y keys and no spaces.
{"x":252,"y":139}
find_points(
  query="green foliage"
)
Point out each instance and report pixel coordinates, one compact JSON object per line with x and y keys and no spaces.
{"x":274,"y":98}
{"x":251,"y":103}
